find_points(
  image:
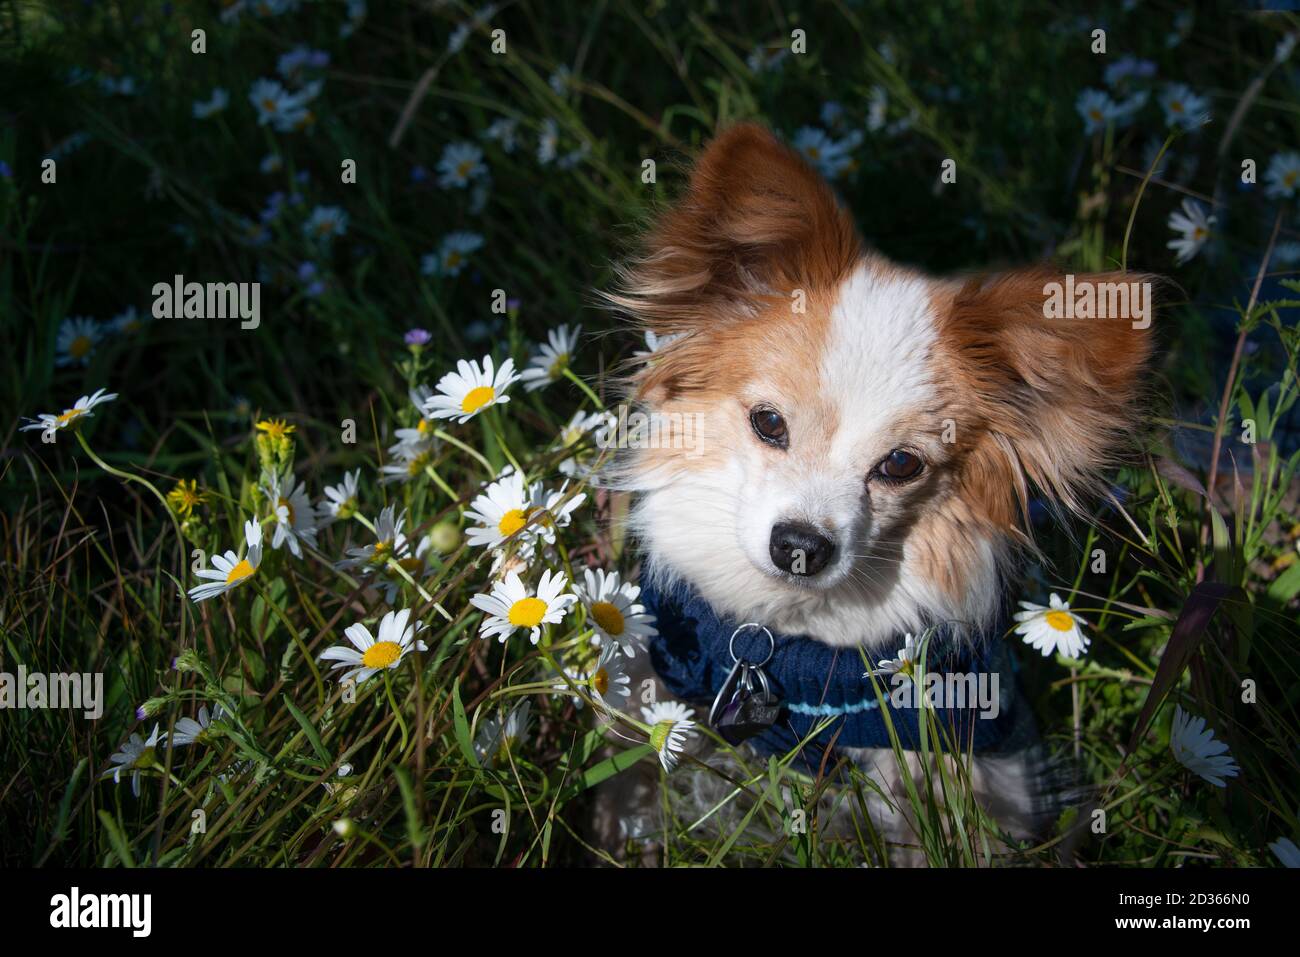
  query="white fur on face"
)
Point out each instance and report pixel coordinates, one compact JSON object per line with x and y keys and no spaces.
{"x":872,"y":391}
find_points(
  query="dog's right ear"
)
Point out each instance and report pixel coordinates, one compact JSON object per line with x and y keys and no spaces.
{"x":755,"y":222}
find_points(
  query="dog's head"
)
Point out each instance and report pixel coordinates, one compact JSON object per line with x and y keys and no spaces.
{"x":840,"y":445}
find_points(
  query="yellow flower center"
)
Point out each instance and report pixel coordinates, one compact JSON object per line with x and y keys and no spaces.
{"x":239,"y":572}
{"x":419,"y":463}
{"x":288,"y":507}
{"x":68,"y":416}
{"x":453,"y":260}
{"x":600,"y":681}
{"x":1290,"y":178}
{"x":558,"y":366}
{"x":463,"y":168}
{"x":1095,"y":115}
{"x":1176,"y":106}
{"x":476,"y":398}
{"x":381,"y":654}
{"x":608,"y":617}
{"x":1060,"y":620}
{"x":79,"y":348}
{"x":1200,"y":232}
{"x":423,"y":426}
{"x":512,"y":521}
{"x":269,"y":105}
{"x":527,"y":612}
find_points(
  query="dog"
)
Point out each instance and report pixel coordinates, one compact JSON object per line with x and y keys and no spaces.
{"x":848,"y":448}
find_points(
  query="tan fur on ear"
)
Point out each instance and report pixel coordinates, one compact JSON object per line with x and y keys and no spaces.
{"x":1054,"y":400}
{"x":756,"y":221}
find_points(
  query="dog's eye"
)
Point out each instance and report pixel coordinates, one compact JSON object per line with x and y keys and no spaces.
{"x":769,"y":426}
{"x":899,"y":466}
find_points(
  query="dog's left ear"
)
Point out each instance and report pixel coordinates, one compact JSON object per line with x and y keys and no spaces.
{"x":1052,"y":369}
{"x":755,"y":221}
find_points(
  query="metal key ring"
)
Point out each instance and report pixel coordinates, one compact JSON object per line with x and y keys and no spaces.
{"x":731,"y":645}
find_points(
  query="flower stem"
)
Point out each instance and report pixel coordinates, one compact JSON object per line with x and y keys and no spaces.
{"x":388,"y":688}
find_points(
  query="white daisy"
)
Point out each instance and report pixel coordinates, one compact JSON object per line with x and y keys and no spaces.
{"x":1052,"y":628}
{"x":82,"y":408}
{"x":410,"y":458}
{"x":461,"y":163}
{"x":548,"y":141}
{"x":452,"y":255}
{"x":602,"y":423}
{"x":1283,"y":175}
{"x":341,"y":500}
{"x":389,"y":543}
{"x":830,"y":157}
{"x":1193,"y":228}
{"x":613,"y":610}
{"x":1184,"y":109}
{"x":877,"y":108}
{"x":471,"y":389}
{"x":413,"y":563}
{"x":77,"y":338}
{"x":284,"y":111}
{"x":766,"y":57}
{"x":670,"y":725}
{"x":1097,"y":109}
{"x":213,"y":105}
{"x":903,"y":663}
{"x":128,"y":322}
{"x":497,"y":737}
{"x":548,"y":364}
{"x":136,"y":755}
{"x":1194,"y":747}
{"x":325,"y":222}
{"x":609,"y":680}
{"x":655,"y":342}
{"x":1286,"y":852}
{"x":503,"y":131}
{"x":369,"y":655}
{"x":499,"y":512}
{"x":510,"y":606}
{"x":189,"y":731}
{"x":229,"y":570}
{"x":295,"y":517}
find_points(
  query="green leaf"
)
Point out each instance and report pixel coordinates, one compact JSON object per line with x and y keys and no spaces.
{"x":308,"y":729}
{"x":1286,"y":585}
{"x":461,"y":723}
{"x":607,"y":769}
{"x":1192,"y":625}
{"x":116,"y":839}
{"x":65,"y":803}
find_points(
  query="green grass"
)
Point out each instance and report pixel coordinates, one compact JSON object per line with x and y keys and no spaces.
{"x":93,"y":568}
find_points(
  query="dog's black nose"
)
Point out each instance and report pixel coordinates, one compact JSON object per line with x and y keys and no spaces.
{"x":799,"y":549}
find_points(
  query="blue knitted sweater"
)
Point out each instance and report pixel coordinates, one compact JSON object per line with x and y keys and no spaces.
{"x":815,"y":681}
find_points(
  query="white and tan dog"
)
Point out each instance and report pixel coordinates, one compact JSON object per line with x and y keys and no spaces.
{"x":866,"y":436}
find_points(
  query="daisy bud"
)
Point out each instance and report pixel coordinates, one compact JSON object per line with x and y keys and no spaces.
{"x":345,"y":828}
{"x":187,"y":660}
{"x":150,"y":708}
{"x":444,"y":537}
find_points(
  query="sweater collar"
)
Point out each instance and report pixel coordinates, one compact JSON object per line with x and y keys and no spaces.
{"x":814,"y":681}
